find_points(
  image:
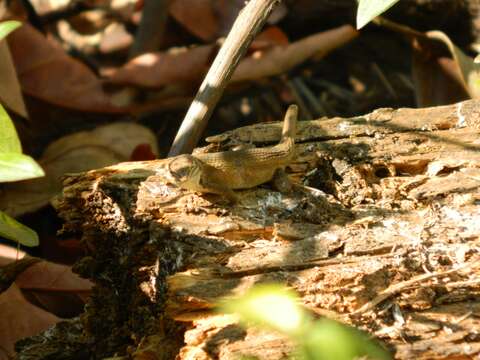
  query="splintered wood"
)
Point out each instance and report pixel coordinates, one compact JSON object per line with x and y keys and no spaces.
{"x":381,"y":231}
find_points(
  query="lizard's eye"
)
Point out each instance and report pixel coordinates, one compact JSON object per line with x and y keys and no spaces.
{"x":181,"y":167}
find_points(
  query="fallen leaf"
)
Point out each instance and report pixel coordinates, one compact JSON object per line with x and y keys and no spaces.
{"x":212,"y":19}
{"x":469,"y":70}
{"x":85,"y":43}
{"x":227,"y":11}
{"x":106,"y":145}
{"x":280,"y":59}
{"x":142,"y":152}
{"x":48,"y":284}
{"x":115,"y":38}
{"x":8,"y":254}
{"x":155,"y":70}
{"x":438,"y":78}
{"x":20,"y":319}
{"x":43,"y":7}
{"x":197,"y":16}
{"x":46,"y":72}
{"x":55,"y":288}
{"x":48,"y":276}
{"x":159,"y":69}
{"x":271,"y":36}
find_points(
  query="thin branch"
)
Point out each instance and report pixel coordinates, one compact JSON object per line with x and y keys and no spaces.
{"x":246,"y":26}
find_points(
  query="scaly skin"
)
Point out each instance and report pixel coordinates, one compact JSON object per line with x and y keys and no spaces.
{"x":222,"y":172}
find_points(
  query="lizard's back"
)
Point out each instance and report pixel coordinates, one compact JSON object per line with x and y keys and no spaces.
{"x":248,"y":168}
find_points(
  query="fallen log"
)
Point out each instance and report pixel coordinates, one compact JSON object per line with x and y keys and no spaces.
{"x":381,"y":231}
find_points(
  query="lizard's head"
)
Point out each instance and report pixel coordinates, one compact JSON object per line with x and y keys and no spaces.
{"x":184,"y":169}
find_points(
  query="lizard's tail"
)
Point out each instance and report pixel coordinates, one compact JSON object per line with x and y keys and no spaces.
{"x":290,"y":124}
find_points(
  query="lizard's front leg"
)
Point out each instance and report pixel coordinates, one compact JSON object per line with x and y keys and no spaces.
{"x":213,"y":184}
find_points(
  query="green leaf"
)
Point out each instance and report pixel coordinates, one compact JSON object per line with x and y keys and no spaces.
{"x":7,"y":27}
{"x":9,"y":141}
{"x":13,"y":230}
{"x":328,"y":339}
{"x":370,"y":9}
{"x":15,"y":166}
{"x":271,"y":306}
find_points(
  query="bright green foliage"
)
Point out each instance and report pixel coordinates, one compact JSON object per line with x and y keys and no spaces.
{"x":7,"y":27}
{"x":271,"y":306}
{"x":17,"y":166}
{"x":370,"y":9}
{"x":14,"y":165}
{"x":9,"y":141}
{"x":328,"y":339}
{"x":277,"y":308}
{"x":13,"y":230}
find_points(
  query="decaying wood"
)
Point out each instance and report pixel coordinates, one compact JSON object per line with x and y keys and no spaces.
{"x":381,"y":232}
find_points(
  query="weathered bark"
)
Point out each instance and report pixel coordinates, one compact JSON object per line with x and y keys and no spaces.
{"x":384,"y":237}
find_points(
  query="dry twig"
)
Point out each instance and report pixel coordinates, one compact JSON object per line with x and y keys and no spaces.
{"x":248,"y":23}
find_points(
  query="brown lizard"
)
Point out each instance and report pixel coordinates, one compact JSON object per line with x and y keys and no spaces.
{"x":223,"y":172}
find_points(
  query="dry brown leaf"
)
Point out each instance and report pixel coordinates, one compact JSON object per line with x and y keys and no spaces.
{"x":82,"y":151}
{"x":46,"y":72}
{"x":97,"y":32}
{"x":20,"y":319}
{"x":45,"y":6}
{"x":436,"y":81}
{"x":155,"y":70}
{"x":211,"y":19}
{"x":8,"y":254}
{"x":271,"y":36}
{"x":55,"y":288}
{"x":227,"y":11}
{"x":115,"y":38}
{"x":197,"y":16}
{"x":439,"y":79}
{"x":10,"y":93}
{"x":48,"y":276}
{"x":49,"y":284}
{"x":465,"y":65}
{"x":280,"y":59}
{"x":159,"y":69}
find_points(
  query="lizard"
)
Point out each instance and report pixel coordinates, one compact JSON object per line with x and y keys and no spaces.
{"x":223,"y":172}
